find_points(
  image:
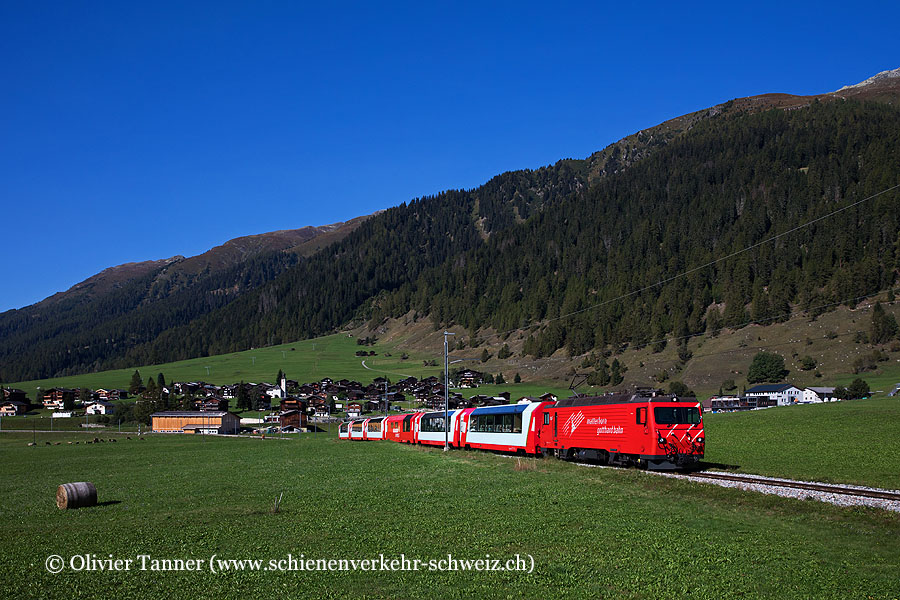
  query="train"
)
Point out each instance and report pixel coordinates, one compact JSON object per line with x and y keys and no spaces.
{"x":646,"y":430}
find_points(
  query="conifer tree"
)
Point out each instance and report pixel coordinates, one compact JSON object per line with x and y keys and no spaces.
{"x":136,"y":384}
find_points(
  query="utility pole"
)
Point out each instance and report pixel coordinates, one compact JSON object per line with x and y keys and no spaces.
{"x":446,"y":395}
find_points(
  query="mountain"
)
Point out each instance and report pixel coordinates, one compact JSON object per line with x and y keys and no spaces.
{"x":555,"y":255}
{"x":100,"y":318}
{"x":231,"y":253}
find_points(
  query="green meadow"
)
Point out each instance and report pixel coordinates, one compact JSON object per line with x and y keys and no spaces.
{"x":308,"y":360}
{"x":854,"y":441}
{"x":591,"y":532}
{"x":331,"y":356}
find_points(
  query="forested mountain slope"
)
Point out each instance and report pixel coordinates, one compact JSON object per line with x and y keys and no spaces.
{"x":529,"y":246}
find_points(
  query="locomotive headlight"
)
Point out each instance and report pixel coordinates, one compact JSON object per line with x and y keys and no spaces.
{"x":700,"y":440}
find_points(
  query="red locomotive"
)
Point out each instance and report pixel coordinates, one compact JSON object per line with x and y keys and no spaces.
{"x":657,"y":432}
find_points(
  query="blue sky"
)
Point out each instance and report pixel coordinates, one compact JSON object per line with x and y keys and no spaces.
{"x":137,"y":132}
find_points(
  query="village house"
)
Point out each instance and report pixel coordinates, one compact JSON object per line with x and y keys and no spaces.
{"x":14,"y":394}
{"x":55,"y":398}
{"x":292,"y":418}
{"x":11,"y":408}
{"x":100,"y":407}
{"x":212,"y":404}
{"x":110,"y":395}
{"x":467,"y":378}
{"x":783,"y":393}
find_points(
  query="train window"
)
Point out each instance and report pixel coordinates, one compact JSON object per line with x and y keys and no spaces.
{"x":432,"y":424}
{"x":641,"y":417}
{"x":546,"y":418}
{"x":676,"y":415}
{"x":508,"y":423}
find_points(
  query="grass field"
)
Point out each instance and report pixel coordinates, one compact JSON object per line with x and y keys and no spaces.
{"x":848,"y":442}
{"x":591,"y":532}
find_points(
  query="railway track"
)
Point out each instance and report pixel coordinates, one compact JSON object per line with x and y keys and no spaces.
{"x":801,"y":485}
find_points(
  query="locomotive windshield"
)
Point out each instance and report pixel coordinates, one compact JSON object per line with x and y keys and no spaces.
{"x":676,"y":415}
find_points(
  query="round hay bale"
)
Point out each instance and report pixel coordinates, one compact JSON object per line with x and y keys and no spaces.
{"x":76,"y":495}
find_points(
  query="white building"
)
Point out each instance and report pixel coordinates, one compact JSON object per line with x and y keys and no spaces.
{"x":784,"y":393}
{"x":819,"y":394}
{"x":100,"y":408}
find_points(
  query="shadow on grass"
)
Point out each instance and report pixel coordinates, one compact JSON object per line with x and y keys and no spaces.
{"x":109,"y":503}
{"x":704,"y":466}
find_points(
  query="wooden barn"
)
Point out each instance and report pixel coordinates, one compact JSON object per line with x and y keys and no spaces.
{"x":211,"y":422}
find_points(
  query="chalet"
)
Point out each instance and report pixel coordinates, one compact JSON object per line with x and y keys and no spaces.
{"x":212,"y":404}
{"x":110,"y":395}
{"x":11,"y":408}
{"x":100,"y":407}
{"x":468,"y":378}
{"x":292,"y":418}
{"x":783,"y":393}
{"x":454,"y":401}
{"x":14,"y":394}
{"x":264,"y":402}
{"x":56,"y":398}
{"x":307,"y":389}
{"x":406,"y":385}
{"x":292,"y":403}
{"x":195,"y":422}
{"x":354,"y":409}
{"x":355,"y":395}
{"x":374,"y":405}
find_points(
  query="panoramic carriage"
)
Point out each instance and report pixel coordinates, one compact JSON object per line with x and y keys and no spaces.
{"x":505,"y":428}
{"x":358,"y":429}
{"x":657,"y":432}
{"x":344,"y":431}
{"x":429,"y":427}
{"x":374,"y":429}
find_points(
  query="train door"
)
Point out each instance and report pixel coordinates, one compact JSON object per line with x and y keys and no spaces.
{"x":555,"y":418}
{"x":642,"y":421}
